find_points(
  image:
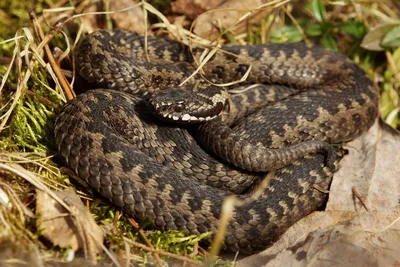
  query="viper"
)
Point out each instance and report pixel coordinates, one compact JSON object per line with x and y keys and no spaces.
{"x":170,"y":154}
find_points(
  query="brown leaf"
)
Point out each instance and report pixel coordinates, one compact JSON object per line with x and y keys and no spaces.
{"x":371,"y":168}
{"x":209,"y":25}
{"x":365,"y":240}
{"x":75,"y":229}
{"x":346,"y":230}
{"x":15,"y":251}
{"x":193,"y":8}
{"x":130,"y":20}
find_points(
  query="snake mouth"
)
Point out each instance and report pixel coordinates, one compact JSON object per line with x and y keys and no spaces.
{"x":186,"y":105}
{"x":188,"y":118}
{"x":176,"y":112}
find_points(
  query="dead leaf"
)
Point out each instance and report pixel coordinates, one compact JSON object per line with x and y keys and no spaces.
{"x":130,"y":20}
{"x":365,"y":240}
{"x":193,"y":8}
{"x":209,"y":25}
{"x":372,"y":169}
{"x":347,"y":234}
{"x":75,"y":229}
{"x":18,"y":252}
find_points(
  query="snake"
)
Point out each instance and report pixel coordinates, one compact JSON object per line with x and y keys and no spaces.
{"x":171,"y":155}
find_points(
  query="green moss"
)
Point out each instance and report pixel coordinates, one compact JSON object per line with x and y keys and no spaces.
{"x":32,"y":125}
{"x":15,"y":15}
{"x":175,"y":241}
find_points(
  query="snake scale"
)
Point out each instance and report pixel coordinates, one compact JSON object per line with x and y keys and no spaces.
{"x":175,"y":175}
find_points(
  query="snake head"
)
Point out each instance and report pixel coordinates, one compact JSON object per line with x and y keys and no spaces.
{"x":188,"y":106}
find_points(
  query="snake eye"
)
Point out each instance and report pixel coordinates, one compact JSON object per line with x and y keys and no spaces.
{"x":179,"y":107}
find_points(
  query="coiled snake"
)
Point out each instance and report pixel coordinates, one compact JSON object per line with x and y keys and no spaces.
{"x":156,"y":170}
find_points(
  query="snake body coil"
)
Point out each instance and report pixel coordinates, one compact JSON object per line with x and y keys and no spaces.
{"x":155,"y":170}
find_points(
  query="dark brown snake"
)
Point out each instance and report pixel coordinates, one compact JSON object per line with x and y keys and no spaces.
{"x":157,"y":171}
